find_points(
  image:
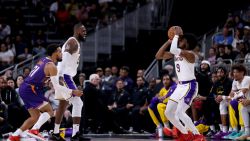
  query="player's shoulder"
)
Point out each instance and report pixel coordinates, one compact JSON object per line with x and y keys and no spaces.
{"x":50,"y":65}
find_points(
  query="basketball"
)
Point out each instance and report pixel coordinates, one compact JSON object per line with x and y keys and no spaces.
{"x":171,"y":32}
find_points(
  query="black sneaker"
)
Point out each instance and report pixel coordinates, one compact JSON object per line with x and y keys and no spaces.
{"x":79,"y":137}
{"x":56,"y":137}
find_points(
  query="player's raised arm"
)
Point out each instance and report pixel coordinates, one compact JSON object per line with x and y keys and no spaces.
{"x":162,"y":53}
{"x":179,"y":51}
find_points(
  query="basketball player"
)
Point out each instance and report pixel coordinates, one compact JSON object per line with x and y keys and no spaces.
{"x":67,"y":69}
{"x":31,"y":92}
{"x":186,"y":90}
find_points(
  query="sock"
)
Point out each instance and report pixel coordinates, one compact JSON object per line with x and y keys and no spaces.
{"x":242,"y":129}
{"x":195,"y":122}
{"x":220,"y":127}
{"x":42,"y":119}
{"x":17,"y":132}
{"x":224,"y":129}
{"x":247,"y":132}
{"x":166,"y":124}
{"x":75,"y":129}
{"x":159,"y":126}
{"x":235,"y":129}
{"x":212,"y":127}
{"x":56,"y":128}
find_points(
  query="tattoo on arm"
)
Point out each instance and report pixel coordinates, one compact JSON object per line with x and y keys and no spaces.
{"x":71,"y":46}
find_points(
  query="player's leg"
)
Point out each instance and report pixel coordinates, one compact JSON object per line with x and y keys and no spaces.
{"x":77,"y":105}
{"x":152,"y":109}
{"x":170,"y":114}
{"x":59,"y":115}
{"x":28,"y":123}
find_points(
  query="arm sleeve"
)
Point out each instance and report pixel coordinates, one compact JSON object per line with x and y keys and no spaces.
{"x":174,"y":46}
{"x":66,"y":92}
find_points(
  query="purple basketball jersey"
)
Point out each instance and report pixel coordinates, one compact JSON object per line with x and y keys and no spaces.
{"x":31,"y":90}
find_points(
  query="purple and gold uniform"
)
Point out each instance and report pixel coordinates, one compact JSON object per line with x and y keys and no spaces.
{"x":31,"y":90}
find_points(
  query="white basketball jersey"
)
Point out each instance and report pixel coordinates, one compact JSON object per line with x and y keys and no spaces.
{"x":245,"y":83}
{"x":69,"y":64}
{"x":184,"y":69}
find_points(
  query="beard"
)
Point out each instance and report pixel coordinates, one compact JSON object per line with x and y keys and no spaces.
{"x":59,"y":59}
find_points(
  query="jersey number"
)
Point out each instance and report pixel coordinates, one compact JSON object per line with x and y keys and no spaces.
{"x":34,"y":71}
{"x":178,"y":69}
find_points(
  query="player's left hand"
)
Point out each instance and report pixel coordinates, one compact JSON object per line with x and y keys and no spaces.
{"x":244,"y":102}
{"x":218,"y":99}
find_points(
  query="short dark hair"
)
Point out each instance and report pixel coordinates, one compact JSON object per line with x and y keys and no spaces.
{"x":240,"y":68}
{"x":191,"y":40}
{"x":126,"y":68}
{"x":52,"y":48}
{"x":76,"y":26}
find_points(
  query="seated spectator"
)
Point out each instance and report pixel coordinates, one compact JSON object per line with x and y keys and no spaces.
{"x":22,"y":50}
{"x":5,"y":127}
{"x":81,"y":79}
{"x":19,"y":81}
{"x":10,"y":45}
{"x":6,"y":55}
{"x":230,"y":53}
{"x":238,"y":36}
{"x":226,"y":38}
{"x":212,"y":56}
{"x":5,"y":30}
{"x":26,"y":71}
{"x":39,"y":48}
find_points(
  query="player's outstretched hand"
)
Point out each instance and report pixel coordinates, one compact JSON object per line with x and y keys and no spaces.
{"x":77,"y":93}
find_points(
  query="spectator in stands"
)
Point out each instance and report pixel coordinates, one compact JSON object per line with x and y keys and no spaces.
{"x":12,"y":100}
{"x":128,"y":82}
{"x":72,"y":8}
{"x":107,"y":84}
{"x":81,"y":79}
{"x":26,"y":71}
{"x":5,"y":127}
{"x":246,"y":34}
{"x":6,"y":55}
{"x":99,"y":71}
{"x":114,"y":71}
{"x":230,"y":54}
{"x":7,"y":74}
{"x":243,"y":47}
{"x":39,"y":47}
{"x":238,"y":36}
{"x":22,"y":50}
{"x":199,"y":56}
{"x":119,"y":105}
{"x":11,"y":82}
{"x":10,"y":45}
{"x":5,"y":30}
{"x":221,"y":52}
{"x":203,"y":77}
{"x":212,"y":56}
{"x":92,"y":103}
{"x":19,"y":81}
{"x":54,"y":6}
{"x":139,"y":110}
{"x":226,"y":38}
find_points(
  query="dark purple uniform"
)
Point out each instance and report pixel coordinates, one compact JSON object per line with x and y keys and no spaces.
{"x":31,"y":90}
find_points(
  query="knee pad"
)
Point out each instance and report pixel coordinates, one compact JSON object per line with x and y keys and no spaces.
{"x":77,"y":105}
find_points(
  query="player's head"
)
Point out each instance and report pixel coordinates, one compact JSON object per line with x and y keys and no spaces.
{"x":54,"y":50}
{"x":239,"y":71}
{"x":80,"y":31}
{"x":188,"y":41}
{"x":221,"y":72}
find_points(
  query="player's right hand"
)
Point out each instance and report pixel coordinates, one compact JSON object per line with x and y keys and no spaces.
{"x":77,"y":93}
